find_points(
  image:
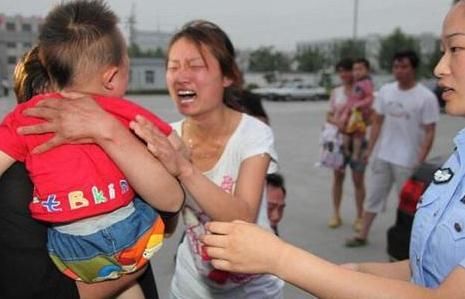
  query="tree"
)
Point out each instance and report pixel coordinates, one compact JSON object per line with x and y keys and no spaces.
{"x":158,"y":53}
{"x":396,"y":41}
{"x":348,"y":48}
{"x":310,"y":59}
{"x":266,"y":59}
{"x":431,"y":60}
{"x":134,"y":50}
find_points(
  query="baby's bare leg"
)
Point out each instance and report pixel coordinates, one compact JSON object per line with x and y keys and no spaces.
{"x":109,"y":288}
{"x":133,"y":292}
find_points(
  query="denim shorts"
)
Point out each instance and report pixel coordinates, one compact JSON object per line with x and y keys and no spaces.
{"x":123,"y":247}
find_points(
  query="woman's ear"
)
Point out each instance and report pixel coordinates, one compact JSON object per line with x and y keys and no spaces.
{"x":227,"y":82}
{"x":109,"y":77}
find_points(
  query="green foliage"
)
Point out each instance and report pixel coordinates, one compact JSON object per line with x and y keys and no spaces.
{"x":431,"y":60}
{"x":266,"y":59}
{"x":310,"y":59}
{"x":348,"y":48}
{"x":396,"y":41}
{"x":326,"y":81}
{"x":135,"y":51}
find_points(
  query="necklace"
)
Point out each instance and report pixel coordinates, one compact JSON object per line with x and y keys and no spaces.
{"x":206,"y":148}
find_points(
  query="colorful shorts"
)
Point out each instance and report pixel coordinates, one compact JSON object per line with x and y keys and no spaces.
{"x":121,"y":248}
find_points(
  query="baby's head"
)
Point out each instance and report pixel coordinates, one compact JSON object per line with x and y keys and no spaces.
{"x":360,"y":68}
{"x":83,"y":50}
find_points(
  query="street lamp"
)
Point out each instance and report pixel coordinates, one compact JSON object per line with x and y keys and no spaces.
{"x":354,"y":28}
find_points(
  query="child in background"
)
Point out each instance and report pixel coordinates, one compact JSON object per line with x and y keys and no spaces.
{"x":100,"y":228}
{"x":356,"y":113}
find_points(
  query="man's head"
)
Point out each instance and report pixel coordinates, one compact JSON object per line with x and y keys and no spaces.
{"x":276,"y":193}
{"x":404,"y":66}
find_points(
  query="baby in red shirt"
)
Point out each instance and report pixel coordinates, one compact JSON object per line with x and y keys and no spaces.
{"x":99,"y":228}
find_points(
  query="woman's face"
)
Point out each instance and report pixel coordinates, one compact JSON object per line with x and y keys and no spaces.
{"x":194,"y":78}
{"x":346,"y":76}
{"x":451,"y":68}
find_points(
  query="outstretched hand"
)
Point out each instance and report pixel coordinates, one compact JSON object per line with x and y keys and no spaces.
{"x":170,"y":151}
{"x":243,"y":247}
{"x":75,"y":119}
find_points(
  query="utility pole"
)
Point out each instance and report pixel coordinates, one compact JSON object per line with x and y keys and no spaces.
{"x":355,"y":24}
{"x":132,"y":25}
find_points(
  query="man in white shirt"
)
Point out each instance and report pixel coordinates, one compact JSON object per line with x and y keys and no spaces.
{"x":401,"y":136}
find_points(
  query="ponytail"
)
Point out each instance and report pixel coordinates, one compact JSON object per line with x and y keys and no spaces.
{"x":30,"y":76}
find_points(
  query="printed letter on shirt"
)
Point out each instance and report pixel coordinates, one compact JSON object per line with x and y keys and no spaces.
{"x":98,"y":195}
{"x":76,"y":200}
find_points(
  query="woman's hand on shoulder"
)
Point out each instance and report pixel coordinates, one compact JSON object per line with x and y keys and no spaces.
{"x":170,"y":150}
{"x":75,"y":119}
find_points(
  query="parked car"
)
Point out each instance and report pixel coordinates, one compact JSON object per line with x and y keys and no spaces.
{"x":398,"y":235}
{"x":292,"y":91}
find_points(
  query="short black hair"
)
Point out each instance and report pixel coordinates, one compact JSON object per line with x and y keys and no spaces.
{"x":276,"y":180}
{"x":344,"y":64}
{"x":411,"y":55}
{"x":363,"y":61}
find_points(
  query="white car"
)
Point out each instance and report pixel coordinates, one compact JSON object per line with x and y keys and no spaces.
{"x":292,"y":92}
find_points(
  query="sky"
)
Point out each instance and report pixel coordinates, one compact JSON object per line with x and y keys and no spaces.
{"x":278,"y":23}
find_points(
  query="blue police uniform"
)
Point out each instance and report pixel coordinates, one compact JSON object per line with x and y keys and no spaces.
{"x":437,"y":244}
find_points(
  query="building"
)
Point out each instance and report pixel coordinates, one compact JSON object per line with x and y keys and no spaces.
{"x":17,"y":35}
{"x":147,"y":75}
{"x":151,"y":40}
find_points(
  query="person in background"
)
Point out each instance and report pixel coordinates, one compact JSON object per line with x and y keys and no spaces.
{"x":404,"y":124}
{"x":275,"y":188}
{"x":338,"y":100}
{"x":275,"y":195}
{"x":5,"y":87}
{"x":357,"y":111}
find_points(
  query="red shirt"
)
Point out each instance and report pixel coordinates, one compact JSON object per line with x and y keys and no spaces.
{"x":71,"y":181}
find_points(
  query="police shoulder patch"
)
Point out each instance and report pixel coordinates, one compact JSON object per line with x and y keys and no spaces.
{"x":442,"y":175}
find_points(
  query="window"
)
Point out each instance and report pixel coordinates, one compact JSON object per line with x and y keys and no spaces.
{"x":11,"y":59}
{"x":149,"y":77}
{"x":11,"y":45}
{"x":10,"y":26}
{"x":27,"y":45}
{"x":27,"y":27}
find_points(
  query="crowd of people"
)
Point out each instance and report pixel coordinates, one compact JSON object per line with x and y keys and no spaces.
{"x":84,"y":220}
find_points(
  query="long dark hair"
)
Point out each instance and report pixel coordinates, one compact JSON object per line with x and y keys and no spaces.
{"x":30,"y":77}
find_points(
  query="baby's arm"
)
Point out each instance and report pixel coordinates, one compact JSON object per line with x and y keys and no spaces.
{"x":79,"y":119}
